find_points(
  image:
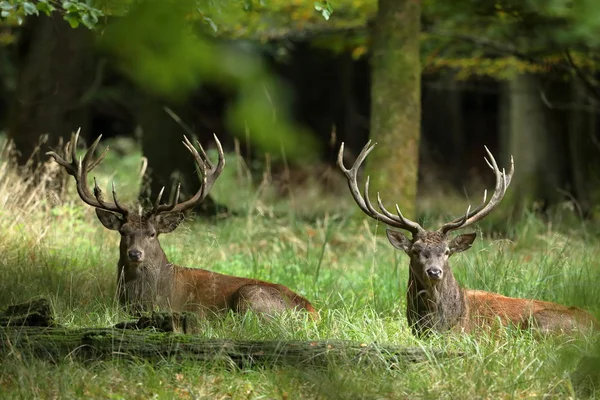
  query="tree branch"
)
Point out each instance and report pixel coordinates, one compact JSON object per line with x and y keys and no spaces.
{"x":592,"y":87}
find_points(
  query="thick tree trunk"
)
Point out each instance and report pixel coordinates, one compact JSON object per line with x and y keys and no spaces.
{"x":395,"y":102}
{"x":55,"y":69}
{"x":531,"y":141}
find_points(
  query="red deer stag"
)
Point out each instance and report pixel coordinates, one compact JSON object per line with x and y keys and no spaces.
{"x":435,"y":301}
{"x":146,"y":279}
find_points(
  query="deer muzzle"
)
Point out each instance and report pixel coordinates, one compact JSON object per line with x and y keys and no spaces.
{"x":135,"y":255}
{"x":434,"y":273}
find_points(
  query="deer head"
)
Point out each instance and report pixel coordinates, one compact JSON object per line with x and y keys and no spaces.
{"x":431,"y":287}
{"x":140,"y":250}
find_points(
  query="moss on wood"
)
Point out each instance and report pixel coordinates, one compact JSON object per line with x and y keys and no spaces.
{"x":157,"y":342}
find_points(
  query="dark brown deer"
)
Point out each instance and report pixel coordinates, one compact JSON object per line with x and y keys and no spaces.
{"x":146,"y":279}
{"x":435,"y":301}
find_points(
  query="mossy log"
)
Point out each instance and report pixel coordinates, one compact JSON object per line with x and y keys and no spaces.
{"x":158,"y":342}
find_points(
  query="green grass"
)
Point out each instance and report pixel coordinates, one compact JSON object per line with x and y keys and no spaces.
{"x":54,"y":246}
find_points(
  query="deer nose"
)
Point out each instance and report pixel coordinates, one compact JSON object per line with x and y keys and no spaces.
{"x":434,"y":273}
{"x":134,"y":255}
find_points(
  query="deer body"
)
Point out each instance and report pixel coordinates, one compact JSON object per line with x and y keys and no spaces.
{"x":146,"y":280}
{"x":204,"y":292}
{"x":435,"y":300}
{"x":150,"y":281}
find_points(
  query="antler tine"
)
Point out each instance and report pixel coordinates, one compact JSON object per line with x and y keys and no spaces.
{"x":74,"y":141}
{"x":363,"y":202}
{"x":68,"y":165}
{"x":80,"y":167}
{"x":100,"y":157}
{"x":399,"y":220}
{"x":391,"y":220}
{"x":351,"y":174}
{"x":204,"y":156}
{"x":502,"y":182}
{"x":158,"y":208}
{"x":208,"y":175}
{"x":114,"y":193}
{"x":89,"y":153}
{"x":159,"y":198}
{"x":457,"y":222}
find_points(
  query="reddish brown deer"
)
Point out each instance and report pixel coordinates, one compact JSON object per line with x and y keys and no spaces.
{"x":146,"y":279}
{"x":435,"y":301}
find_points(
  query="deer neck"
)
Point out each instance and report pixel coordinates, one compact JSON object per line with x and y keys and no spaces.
{"x":147,"y":285}
{"x":436,"y":307}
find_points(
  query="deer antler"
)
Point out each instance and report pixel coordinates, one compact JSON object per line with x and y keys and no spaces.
{"x":397,"y":221}
{"x":79,"y":169}
{"x":502,"y":182}
{"x":208,"y":175}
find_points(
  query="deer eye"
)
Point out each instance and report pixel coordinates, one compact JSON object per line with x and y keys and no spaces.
{"x":447,"y":252}
{"x":152,"y":235}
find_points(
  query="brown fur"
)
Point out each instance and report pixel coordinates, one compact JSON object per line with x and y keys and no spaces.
{"x":440,"y":304}
{"x":152,"y":282}
{"x":484,"y":307}
{"x":434,"y":299}
{"x":145,"y":278}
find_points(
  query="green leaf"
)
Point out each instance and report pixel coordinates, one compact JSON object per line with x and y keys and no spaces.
{"x":87,"y":21}
{"x":211,"y":23}
{"x":45,"y":7}
{"x":6,"y":6}
{"x":30,"y":8}
{"x":325,"y":8}
{"x":72,"y":20}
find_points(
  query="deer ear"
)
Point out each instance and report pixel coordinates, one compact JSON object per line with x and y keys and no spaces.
{"x":109,"y":220}
{"x":398,"y":240}
{"x":462,"y":242}
{"x":167,"y":222}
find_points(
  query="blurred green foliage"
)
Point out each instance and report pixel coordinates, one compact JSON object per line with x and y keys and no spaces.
{"x":157,"y":47}
{"x":498,"y":38}
{"x":75,"y":12}
{"x":171,"y":47}
{"x":504,"y":38}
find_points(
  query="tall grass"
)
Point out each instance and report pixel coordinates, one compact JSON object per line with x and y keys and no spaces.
{"x":52,"y":245}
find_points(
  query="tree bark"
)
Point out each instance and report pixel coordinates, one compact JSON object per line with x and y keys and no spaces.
{"x":395,"y":102}
{"x":55,"y":65}
{"x":531,"y":141}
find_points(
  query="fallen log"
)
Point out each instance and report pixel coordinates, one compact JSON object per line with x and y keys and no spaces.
{"x":158,"y":342}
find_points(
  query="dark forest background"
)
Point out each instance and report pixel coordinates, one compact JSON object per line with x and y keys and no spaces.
{"x":295,"y":79}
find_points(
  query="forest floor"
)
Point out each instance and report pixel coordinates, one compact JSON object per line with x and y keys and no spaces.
{"x":316,"y":244}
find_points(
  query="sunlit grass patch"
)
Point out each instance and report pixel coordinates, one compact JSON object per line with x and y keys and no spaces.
{"x":53,"y":245}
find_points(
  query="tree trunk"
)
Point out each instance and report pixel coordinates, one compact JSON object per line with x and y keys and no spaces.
{"x":395,"y":102}
{"x":531,"y":142}
{"x":55,"y":64}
